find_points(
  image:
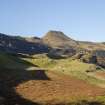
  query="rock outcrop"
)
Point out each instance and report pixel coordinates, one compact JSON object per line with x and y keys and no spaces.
{"x":100,"y":56}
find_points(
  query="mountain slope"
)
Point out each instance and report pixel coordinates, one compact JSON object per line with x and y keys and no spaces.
{"x":91,"y":45}
{"x":53,"y":39}
{"x":58,"y":39}
{"x":22,"y":45}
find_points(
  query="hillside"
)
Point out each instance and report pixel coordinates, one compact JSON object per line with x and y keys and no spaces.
{"x":52,"y":39}
{"x":57,"y":45}
{"x":52,"y":70}
{"x":39,"y":80}
{"x":91,"y":45}
{"x":13,"y":44}
{"x":58,"y":39}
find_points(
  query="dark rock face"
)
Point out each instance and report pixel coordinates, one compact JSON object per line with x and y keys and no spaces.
{"x":15,"y":45}
{"x":95,"y":57}
{"x":101,"y":61}
{"x":100,"y":55}
{"x":89,"y":58}
{"x":62,"y":52}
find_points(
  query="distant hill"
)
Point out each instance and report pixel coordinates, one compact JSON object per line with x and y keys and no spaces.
{"x":55,"y":43}
{"x":58,"y":39}
{"x":17,"y":44}
{"x":52,"y":39}
{"x":91,"y":45}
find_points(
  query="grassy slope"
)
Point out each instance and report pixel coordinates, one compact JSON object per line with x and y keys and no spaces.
{"x":67,"y":66}
{"x":70,"y":67}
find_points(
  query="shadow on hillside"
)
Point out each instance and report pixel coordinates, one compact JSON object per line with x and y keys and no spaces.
{"x":10,"y":78}
{"x":21,"y":55}
{"x":52,"y":56}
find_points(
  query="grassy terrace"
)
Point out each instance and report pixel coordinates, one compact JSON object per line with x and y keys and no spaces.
{"x":68,"y":66}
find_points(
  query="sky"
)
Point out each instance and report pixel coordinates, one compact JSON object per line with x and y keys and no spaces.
{"x":79,"y":19}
